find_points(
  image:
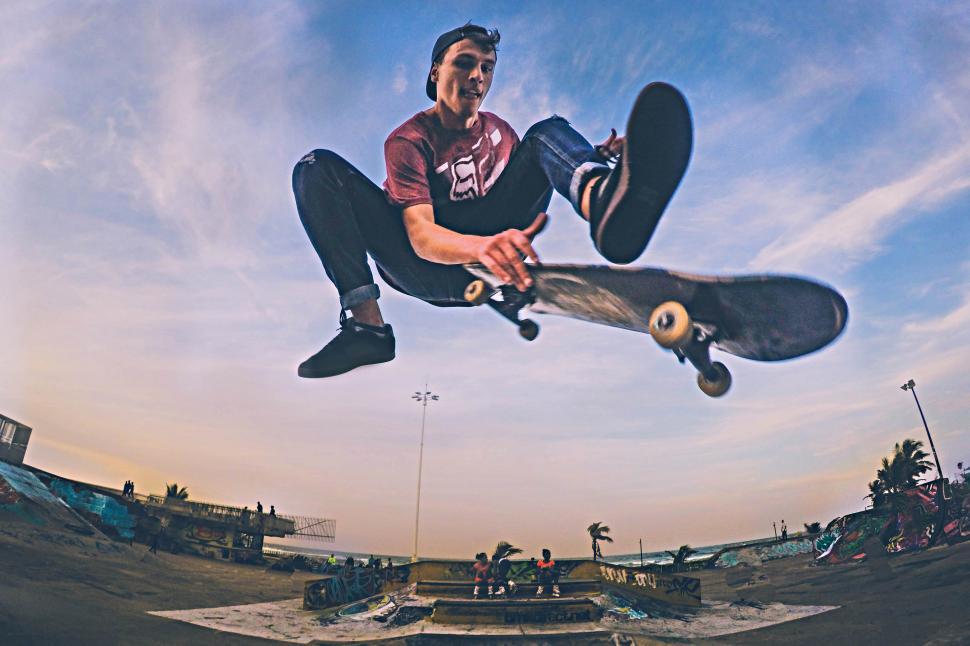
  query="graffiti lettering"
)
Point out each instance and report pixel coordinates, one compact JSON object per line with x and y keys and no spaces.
{"x":546,"y":617}
{"x":645,"y":579}
{"x":684,"y":586}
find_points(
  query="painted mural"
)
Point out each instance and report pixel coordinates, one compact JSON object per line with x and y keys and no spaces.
{"x":358,"y":583}
{"x":8,"y":495}
{"x":681,"y":590}
{"x":24,"y":496}
{"x":764,"y":552}
{"x":519,"y":571}
{"x":209,"y":535}
{"x":956,"y":522}
{"x":352,"y":584}
{"x":111,"y":516}
{"x":915,"y":524}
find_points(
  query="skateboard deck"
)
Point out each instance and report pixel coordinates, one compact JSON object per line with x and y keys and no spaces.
{"x":762,"y":317}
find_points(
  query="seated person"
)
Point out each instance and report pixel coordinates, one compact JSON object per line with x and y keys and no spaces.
{"x":548,"y":574}
{"x":501,"y":568}
{"x":483,"y":574}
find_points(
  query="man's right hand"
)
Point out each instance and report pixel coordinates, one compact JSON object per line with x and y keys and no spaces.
{"x":502,"y":254}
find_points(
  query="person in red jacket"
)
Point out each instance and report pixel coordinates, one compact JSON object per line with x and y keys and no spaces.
{"x":548,"y":574}
{"x":483,"y":574}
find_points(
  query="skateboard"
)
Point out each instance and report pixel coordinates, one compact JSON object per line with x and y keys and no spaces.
{"x":761,"y":317}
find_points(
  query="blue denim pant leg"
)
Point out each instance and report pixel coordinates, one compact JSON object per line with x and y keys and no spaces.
{"x":347,"y":217}
{"x":564,"y":155}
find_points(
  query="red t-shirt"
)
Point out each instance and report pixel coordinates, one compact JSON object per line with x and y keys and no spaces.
{"x":482,"y":570}
{"x":427,"y":163}
{"x":546,"y":565}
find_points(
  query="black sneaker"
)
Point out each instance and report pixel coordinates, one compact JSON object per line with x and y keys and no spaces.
{"x":356,"y":345}
{"x":626,"y":205}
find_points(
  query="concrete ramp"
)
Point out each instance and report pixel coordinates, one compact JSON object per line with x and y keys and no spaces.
{"x":24,"y":498}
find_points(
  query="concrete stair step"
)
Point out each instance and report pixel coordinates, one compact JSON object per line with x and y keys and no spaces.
{"x":523,"y":589}
{"x":517,"y":611}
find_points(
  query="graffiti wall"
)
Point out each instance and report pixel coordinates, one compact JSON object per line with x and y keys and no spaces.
{"x":109,"y":515}
{"x":352,"y":584}
{"x":956,"y":522}
{"x":732,"y":556}
{"x":24,"y":497}
{"x":667,"y":588}
{"x":358,"y":583}
{"x":915,"y":523}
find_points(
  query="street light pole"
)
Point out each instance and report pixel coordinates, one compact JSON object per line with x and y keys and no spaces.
{"x":911,"y":385}
{"x":422,"y":397}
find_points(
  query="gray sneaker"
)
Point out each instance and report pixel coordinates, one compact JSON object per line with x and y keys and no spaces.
{"x":356,"y":345}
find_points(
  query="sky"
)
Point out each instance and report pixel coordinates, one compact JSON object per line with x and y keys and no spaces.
{"x":159,"y":291}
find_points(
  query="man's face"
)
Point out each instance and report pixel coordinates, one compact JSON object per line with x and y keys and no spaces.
{"x":463,"y":77}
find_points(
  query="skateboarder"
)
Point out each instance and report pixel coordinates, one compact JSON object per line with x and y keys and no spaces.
{"x":463,"y":188}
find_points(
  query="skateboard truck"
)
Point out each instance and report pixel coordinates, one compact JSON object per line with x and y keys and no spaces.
{"x":672,"y":328}
{"x":509,"y":306}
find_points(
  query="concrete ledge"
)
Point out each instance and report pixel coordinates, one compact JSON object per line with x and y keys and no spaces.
{"x":519,"y":611}
{"x":526,"y":589}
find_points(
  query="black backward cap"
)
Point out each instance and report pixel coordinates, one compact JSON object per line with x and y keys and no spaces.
{"x":445,"y":41}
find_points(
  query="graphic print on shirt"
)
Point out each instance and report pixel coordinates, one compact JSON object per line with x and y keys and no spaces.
{"x":464,"y":179}
{"x":468,"y":181}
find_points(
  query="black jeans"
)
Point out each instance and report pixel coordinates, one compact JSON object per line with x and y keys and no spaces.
{"x":347,"y":216}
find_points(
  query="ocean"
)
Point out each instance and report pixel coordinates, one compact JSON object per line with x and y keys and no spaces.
{"x":655,"y":558}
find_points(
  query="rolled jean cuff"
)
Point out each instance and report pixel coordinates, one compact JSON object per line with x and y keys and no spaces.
{"x":359,"y":295}
{"x":578,"y":180}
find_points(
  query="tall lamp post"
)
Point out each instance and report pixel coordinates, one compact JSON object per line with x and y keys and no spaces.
{"x":911,"y":385}
{"x":423,"y":398}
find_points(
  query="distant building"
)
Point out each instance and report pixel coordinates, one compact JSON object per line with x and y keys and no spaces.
{"x":13,"y":440}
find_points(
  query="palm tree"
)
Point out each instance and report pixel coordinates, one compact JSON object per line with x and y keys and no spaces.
{"x":598,"y":532}
{"x":681,"y":556}
{"x":903,"y":471}
{"x":173,"y":491}
{"x":504,"y":549}
{"x":877,"y":493}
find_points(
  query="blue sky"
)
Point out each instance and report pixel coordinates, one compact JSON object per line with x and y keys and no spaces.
{"x":159,"y":290}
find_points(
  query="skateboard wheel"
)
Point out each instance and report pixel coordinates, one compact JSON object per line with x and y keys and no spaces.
{"x":670,"y":325}
{"x":718,"y":387}
{"x":475,"y":293}
{"x":528,"y":329}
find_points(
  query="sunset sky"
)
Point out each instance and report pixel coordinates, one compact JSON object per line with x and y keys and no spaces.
{"x":159,"y":291}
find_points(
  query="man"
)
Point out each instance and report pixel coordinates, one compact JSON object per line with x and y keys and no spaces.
{"x":547,"y":574}
{"x":463,"y":188}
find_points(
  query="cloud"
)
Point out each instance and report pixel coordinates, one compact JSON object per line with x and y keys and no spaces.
{"x":161,"y":292}
{"x":400,"y":82}
{"x":853,"y":231}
